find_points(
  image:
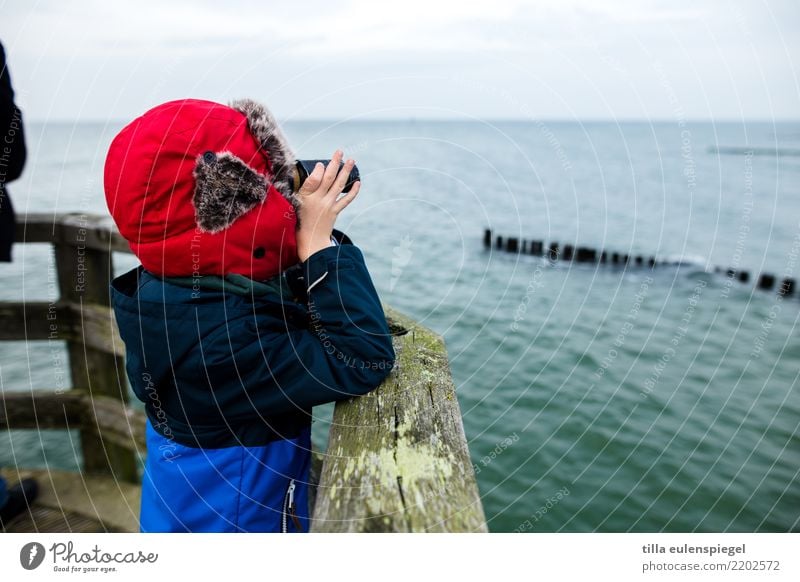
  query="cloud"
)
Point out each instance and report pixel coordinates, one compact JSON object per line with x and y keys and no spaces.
{"x":560,"y":58}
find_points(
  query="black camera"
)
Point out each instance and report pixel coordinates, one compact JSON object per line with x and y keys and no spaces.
{"x":304,"y":167}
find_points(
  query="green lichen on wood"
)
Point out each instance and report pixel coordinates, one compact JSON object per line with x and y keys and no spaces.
{"x":397,"y":457}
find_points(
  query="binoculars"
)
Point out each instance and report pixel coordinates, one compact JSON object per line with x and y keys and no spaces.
{"x":303,"y":168}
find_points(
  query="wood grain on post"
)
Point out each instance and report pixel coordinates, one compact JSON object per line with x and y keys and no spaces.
{"x":397,"y":458}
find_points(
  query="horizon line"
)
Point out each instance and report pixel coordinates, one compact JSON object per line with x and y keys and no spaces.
{"x":658,"y":120}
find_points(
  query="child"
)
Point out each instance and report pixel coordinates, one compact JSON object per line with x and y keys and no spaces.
{"x":247,"y":311}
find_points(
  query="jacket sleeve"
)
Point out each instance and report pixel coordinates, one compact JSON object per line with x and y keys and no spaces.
{"x":345,"y":351}
{"x":11,"y":130}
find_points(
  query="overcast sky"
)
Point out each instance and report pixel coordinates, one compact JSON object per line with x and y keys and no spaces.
{"x":565,"y":59}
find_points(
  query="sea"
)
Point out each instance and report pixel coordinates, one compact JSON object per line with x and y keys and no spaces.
{"x":595,"y":397}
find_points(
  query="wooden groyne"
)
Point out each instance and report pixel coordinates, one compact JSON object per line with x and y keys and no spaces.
{"x":555,"y":251}
{"x":397,"y":458}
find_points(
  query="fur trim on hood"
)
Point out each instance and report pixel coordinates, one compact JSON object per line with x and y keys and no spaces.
{"x":227,"y":188}
{"x":265,"y":128}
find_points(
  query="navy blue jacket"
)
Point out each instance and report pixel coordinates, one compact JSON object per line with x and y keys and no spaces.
{"x":229,"y":369}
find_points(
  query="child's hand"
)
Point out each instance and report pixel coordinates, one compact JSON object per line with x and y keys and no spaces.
{"x":320,"y":204}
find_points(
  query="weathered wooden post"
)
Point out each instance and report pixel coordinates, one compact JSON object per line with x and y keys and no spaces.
{"x":397,"y":458}
{"x":586,"y":255}
{"x":552,"y":252}
{"x":766,"y":281}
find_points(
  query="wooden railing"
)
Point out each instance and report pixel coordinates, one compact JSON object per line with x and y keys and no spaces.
{"x":111,"y":433}
{"x":397,"y":458}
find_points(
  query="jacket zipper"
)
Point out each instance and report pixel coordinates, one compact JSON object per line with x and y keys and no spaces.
{"x":290,"y":509}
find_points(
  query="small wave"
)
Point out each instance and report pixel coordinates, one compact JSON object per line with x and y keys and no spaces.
{"x":753,"y":151}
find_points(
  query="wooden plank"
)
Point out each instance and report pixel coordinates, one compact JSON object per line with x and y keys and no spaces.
{"x":32,"y":320}
{"x":98,"y":329}
{"x":41,"y":409}
{"x":37,"y":227}
{"x":48,"y":520}
{"x":90,"y":324}
{"x":397,"y":458}
{"x":89,"y":231}
{"x":113,"y":504}
{"x":44,"y":410}
{"x":117,"y":422}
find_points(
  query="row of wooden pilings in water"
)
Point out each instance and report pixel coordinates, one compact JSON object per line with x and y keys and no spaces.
{"x":556,"y":252}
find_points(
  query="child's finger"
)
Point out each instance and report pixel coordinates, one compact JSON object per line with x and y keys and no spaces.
{"x":345,"y":200}
{"x":341,"y":179}
{"x":313,"y":181}
{"x":331,"y":170}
